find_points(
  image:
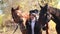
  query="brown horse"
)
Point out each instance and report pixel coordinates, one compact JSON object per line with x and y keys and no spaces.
{"x":47,"y":13}
{"x":19,"y":18}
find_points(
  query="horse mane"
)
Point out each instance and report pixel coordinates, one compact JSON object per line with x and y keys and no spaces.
{"x":54,"y":11}
{"x":55,"y":19}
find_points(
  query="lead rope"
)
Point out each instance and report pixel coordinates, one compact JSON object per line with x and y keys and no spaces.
{"x":15,"y":29}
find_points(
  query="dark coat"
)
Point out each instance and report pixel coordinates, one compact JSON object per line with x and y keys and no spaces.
{"x":37,"y":28}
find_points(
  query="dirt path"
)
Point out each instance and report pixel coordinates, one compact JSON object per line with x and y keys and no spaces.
{"x":9,"y":30}
{"x":19,"y":32}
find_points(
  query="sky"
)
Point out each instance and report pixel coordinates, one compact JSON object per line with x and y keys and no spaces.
{"x":0,"y":12}
{"x":0,"y":0}
{"x":58,"y":5}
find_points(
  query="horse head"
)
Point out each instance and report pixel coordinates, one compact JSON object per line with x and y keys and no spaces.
{"x":16,"y":14}
{"x":19,"y":18}
{"x":44,"y":15}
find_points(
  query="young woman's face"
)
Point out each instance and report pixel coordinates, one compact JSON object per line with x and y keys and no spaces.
{"x":32,"y":16}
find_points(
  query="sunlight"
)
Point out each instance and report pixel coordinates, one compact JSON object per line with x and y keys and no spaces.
{"x":58,"y":5}
{"x":0,"y":0}
{"x":52,"y":25}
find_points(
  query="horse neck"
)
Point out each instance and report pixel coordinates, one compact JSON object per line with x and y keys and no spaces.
{"x":55,"y":19}
{"x":54,"y":11}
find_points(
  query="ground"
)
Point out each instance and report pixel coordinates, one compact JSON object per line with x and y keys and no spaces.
{"x":9,"y":30}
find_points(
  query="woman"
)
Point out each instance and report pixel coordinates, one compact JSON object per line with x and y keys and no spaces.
{"x":32,"y":25}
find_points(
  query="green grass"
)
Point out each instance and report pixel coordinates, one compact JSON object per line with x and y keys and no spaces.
{"x":1,"y":19}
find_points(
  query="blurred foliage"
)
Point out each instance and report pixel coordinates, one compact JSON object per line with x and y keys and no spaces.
{"x":25,"y":6}
{"x":1,"y":19}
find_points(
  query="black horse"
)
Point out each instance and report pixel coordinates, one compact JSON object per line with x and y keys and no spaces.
{"x":55,"y":17}
{"x":46,"y":14}
{"x":44,"y":17}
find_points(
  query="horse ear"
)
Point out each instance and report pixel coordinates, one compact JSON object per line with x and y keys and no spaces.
{"x":12,"y":9}
{"x":17,"y":8}
{"x":46,"y":5}
{"x":41,"y":7}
